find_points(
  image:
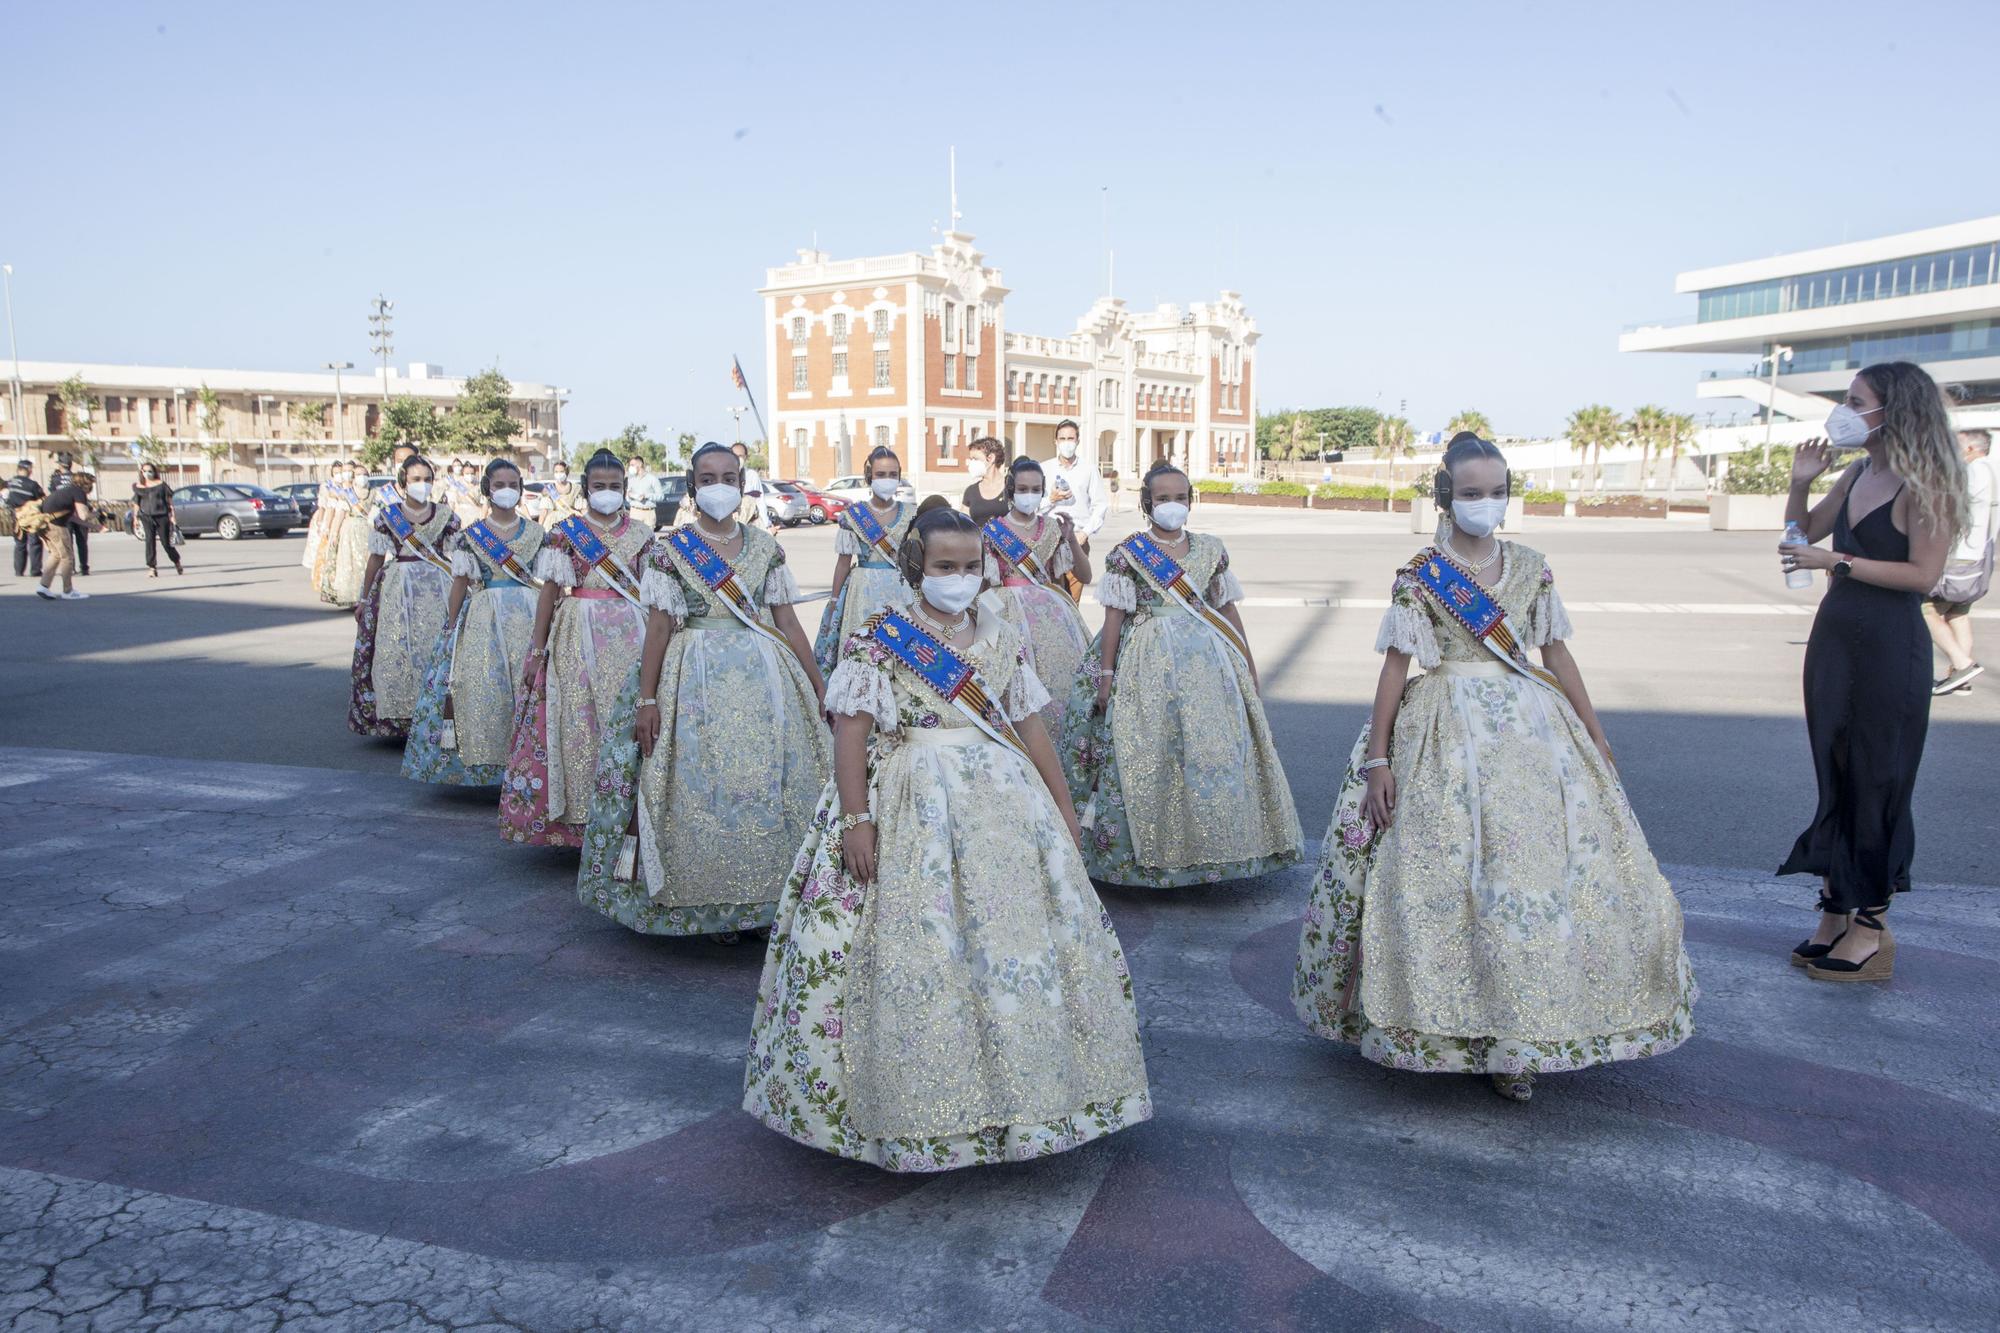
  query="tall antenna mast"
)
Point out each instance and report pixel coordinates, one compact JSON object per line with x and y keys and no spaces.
{"x":1104,"y":218}
{"x":955,"y":214}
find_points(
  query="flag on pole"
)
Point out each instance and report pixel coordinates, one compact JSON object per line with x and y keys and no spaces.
{"x":736,"y":375}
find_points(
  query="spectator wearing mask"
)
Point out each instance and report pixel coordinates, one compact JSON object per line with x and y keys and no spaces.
{"x":60,"y":513}
{"x":22,"y":488}
{"x":1076,"y":488}
{"x":1968,"y":570}
{"x":986,"y":463}
{"x":79,"y":530}
{"x":152,"y":504}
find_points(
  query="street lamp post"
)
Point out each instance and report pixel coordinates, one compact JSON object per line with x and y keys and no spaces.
{"x":339,"y":429}
{"x":180,"y":424}
{"x":264,"y":448}
{"x":558,"y":397}
{"x":738,"y":412}
{"x":381,"y":331}
{"x":1779,"y":352}
{"x":13,"y":385}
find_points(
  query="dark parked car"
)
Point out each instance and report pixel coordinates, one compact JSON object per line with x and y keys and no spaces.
{"x":304,"y":494}
{"x":231,"y":508}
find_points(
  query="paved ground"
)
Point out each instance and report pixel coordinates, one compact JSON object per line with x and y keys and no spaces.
{"x":286,"y":1040}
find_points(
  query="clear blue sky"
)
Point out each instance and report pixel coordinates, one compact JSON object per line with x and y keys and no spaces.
{"x":1453,"y":205}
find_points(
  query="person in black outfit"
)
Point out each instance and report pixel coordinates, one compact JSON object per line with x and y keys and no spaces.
{"x":21,"y":488}
{"x":1893,"y":516}
{"x":152,"y":501}
{"x":986,"y":498}
{"x":79,"y":530}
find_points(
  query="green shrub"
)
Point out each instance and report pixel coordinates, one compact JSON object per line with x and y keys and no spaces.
{"x":1543,"y":497}
{"x":1335,"y":490}
{"x":1749,"y":474}
{"x":1214,"y":486}
{"x":1281,"y":488}
{"x":1600,"y":501}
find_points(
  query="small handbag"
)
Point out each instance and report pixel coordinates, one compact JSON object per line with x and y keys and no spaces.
{"x":1966,"y":582}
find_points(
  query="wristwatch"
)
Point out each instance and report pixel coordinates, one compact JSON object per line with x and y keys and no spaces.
{"x":1841,"y":568}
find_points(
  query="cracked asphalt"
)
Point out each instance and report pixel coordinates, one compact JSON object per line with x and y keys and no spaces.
{"x":286,"y":1042}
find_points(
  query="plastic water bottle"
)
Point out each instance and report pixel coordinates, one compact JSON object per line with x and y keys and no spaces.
{"x":1795,"y":536}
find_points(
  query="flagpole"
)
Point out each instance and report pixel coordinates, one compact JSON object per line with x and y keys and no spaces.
{"x":743,"y":382}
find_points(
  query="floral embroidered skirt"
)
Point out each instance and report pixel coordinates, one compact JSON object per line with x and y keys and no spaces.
{"x":725,"y":798}
{"x":361,"y":716}
{"x":972,"y":1005}
{"x":575,"y":717}
{"x":339,"y":576}
{"x":1057,"y":641}
{"x":1181,"y":764}
{"x":1511,"y":918}
{"x":476,"y":665}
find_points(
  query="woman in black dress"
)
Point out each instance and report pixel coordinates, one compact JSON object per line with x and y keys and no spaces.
{"x":986,"y":498}
{"x":1893,"y":516}
{"x":152,"y":502}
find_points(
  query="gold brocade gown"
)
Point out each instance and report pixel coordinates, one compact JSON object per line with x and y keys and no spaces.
{"x":1511,"y":918}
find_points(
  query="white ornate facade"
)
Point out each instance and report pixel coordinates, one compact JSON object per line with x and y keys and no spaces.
{"x":912,"y":351}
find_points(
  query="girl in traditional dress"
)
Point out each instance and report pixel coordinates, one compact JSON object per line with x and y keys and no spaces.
{"x":1171,"y":760}
{"x":320,"y":527}
{"x":402,"y":606}
{"x":943,"y":988}
{"x":865,"y":577}
{"x":736,"y":753}
{"x":1486,"y":902}
{"x":562,"y":497}
{"x":464,"y":721}
{"x":573,"y":733}
{"x":344,"y":566}
{"x":1028,"y":556}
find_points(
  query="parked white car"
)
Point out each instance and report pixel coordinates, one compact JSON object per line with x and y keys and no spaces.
{"x":854,"y":490}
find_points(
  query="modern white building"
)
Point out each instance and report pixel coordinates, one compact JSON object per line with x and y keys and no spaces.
{"x":1930,"y":296}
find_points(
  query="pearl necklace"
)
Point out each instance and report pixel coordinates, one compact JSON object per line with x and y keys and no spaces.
{"x":1172,"y":541}
{"x":948,"y":631}
{"x":1468,"y":565}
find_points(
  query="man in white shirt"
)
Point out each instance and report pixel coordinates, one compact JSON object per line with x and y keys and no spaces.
{"x":643,"y":490}
{"x":1948,"y":613}
{"x":1076,"y":488}
{"x":753,"y":486}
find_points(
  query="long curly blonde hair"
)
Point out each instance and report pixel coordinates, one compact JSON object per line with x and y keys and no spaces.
{"x":1918,"y":445}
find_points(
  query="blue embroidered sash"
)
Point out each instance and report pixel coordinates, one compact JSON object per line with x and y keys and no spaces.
{"x":386,"y":494}
{"x":406,"y":533}
{"x":1455,"y":593}
{"x":1016,"y":551}
{"x":869,"y":528}
{"x":1165,"y":573}
{"x":597,"y":555}
{"x":719,"y":577}
{"x":496,"y":549}
{"x":955,"y":680}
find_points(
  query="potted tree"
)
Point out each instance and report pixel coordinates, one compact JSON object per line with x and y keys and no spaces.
{"x":1752,"y":498}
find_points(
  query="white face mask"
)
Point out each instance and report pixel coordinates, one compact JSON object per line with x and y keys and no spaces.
{"x":976,"y":469}
{"x":951,"y":593}
{"x":717,"y":500}
{"x":506,"y":497}
{"x":607,"y":502}
{"x":1066,"y":448}
{"x":419,"y":491}
{"x":1172,"y":515}
{"x":1847,"y":428}
{"x":1476,"y":518}
{"x":884,"y":487}
{"x":1027,"y":501}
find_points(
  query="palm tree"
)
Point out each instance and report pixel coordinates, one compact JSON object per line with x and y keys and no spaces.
{"x":1591,"y":429}
{"x":1470,"y":419}
{"x":1649,"y":431}
{"x":1680,"y":434}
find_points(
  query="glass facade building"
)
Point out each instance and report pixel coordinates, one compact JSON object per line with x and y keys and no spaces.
{"x":1969,"y":266}
{"x":1937,"y":342}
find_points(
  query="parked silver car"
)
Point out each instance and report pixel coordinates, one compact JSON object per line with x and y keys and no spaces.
{"x":231,"y":508}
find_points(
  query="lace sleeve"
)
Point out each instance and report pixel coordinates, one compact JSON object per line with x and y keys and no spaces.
{"x":1025,"y":694}
{"x":1224,"y":588}
{"x":1548,"y":619}
{"x":464,"y":564}
{"x":1406,"y":627}
{"x":1062,"y":562}
{"x":858,"y":686}
{"x":780,"y":588}
{"x":380,"y":542}
{"x":1115,"y":586}
{"x":845,"y":542}
{"x":553,"y":565}
{"x":661,"y":591}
